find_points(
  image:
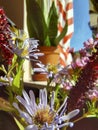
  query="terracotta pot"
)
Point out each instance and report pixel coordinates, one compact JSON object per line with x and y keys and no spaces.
{"x":51,"y":56}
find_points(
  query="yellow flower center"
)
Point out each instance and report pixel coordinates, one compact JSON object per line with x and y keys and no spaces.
{"x":42,"y":116}
{"x":52,"y":68}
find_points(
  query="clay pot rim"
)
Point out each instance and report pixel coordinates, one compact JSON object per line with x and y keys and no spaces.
{"x":48,"y":49}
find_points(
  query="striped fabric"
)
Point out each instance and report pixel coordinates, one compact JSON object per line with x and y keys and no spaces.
{"x":65,"y":9}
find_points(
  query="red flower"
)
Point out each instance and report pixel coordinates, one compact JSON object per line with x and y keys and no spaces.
{"x":5,"y":36}
{"x":86,"y":82}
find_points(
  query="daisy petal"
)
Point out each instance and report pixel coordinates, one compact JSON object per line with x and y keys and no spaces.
{"x":31,"y":127}
{"x":23,"y":114}
{"x":26,"y":97}
{"x":32,"y":97}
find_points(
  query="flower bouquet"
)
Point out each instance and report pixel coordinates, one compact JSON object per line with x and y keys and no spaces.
{"x":69,"y":91}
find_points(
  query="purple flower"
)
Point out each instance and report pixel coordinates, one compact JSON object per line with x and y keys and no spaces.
{"x":89,"y":44}
{"x":24,"y":47}
{"x":93,"y":94}
{"x":42,"y":115}
{"x":80,"y":62}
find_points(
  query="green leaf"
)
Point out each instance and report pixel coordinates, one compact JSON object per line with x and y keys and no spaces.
{"x":63,"y":33}
{"x":2,"y":68}
{"x":47,"y":41}
{"x":52,"y":24}
{"x":37,"y":27}
{"x":14,"y":62}
{"x":19,"y":124}
{"x":3,"y":81}
{"x":16,"y":80}
{"x":41,"y":4}
{"x":5,"y":105}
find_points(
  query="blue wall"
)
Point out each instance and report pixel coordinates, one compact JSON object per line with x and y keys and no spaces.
{"x":82,"y":31}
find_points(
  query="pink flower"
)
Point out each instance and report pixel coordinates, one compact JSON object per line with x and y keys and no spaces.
{"x":93,"y":94}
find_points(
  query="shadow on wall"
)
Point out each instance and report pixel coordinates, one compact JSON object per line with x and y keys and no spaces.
{"x":7,"y":122}
{"x":14,"y":10}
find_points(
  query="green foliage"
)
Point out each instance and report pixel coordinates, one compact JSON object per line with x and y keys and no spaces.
{"x":18,"y":76}
{"x":92,"y":109}
{"x":52,"y":24}
{"x":95,"y":5}
{"x":37,"y":27}
{"x":15,"y":72}
{"x":19,"y":124}
{"x":42,"y":28}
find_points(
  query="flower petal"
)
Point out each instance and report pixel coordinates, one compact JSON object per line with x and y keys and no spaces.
{"x":31,"y":127}
{"x":24,"y":103}
{"x":65,"y":124}
{"x":26,"y":97}
{"x":65,"y":101}
{"x":43,"y":97}
{"x":32,"y":103}
{"x":73,"y":113}
{"x":23,"y":114}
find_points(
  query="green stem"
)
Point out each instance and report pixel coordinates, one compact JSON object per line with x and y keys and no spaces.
{"x":80,"y":118}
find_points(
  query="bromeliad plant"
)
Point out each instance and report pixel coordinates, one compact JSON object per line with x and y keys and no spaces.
{"x":42,"y":22}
